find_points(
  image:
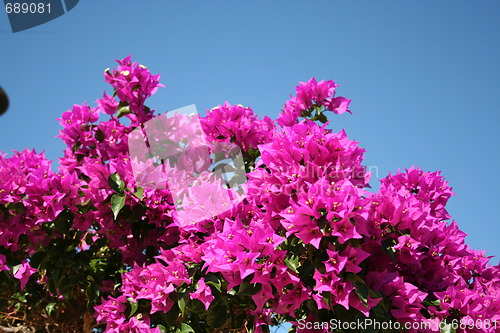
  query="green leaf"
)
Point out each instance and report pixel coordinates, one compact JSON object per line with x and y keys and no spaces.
{"x":50,"y":307}
{"x":37,"y":259}
{"x":248,"y":289}
{"x":66,"y":286}
{"x":217,"y":316}
{"x":171,"y":316}
{"x":185,"y":328}
{"x":213,"y":280}
{"x":16,"y":208}
{"x":388,"y":248}
{"x":99,"y":135}
{"x":217,"y":285}
{"x":182,"y":304}
{"x":133,"y":307}
{"x":97,"y":265}
{"x":322,"y":118}
{"x":85,"y":207}
{"x":92,"y":290}
{"x":306,"y":269}
{"x":76,"y":146}
{"x":116,"y":183}
{"x":436,"y":303}
{"x":306,"y":113}
{"x":293,"y":263}
{"x":361,"y":289}
{"x":117,"y":203}
{"x":123,"y":111}
{"x":63,"y":221}
{"x":196,"y":306}
{"x":15,"y":269}
{"x":139,"y":193}
{"x":162,"y":328}
{"x":381,"y":310}
{"x":447,"y":328}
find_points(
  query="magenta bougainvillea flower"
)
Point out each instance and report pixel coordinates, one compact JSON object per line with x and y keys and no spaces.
{"x":24,"y":272}
{"x":237,"y":124}
{"x":312,"y":96}
{"x":203,"y":293}
{"x":3,"y":263}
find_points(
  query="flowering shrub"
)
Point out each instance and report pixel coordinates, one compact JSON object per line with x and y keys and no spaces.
{"x":86,"y":249}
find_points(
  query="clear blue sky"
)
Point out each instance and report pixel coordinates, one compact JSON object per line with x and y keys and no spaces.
{"x":424,"y":76}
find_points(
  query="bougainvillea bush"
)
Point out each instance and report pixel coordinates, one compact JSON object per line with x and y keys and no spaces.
{"x":85,"y":249}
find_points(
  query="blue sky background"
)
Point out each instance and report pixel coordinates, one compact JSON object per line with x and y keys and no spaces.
{"x":424,"y":76}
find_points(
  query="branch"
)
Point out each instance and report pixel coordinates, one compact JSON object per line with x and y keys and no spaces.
{"x":18,"y":329}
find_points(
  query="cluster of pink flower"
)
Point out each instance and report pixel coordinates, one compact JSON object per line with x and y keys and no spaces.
{"x":31,"y":194}
{"x":133,"y":84}
{"x":312,"y":95}
{"x":431,"y":260}
{"x":238,"y":124}
{"x":308,"y":242}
